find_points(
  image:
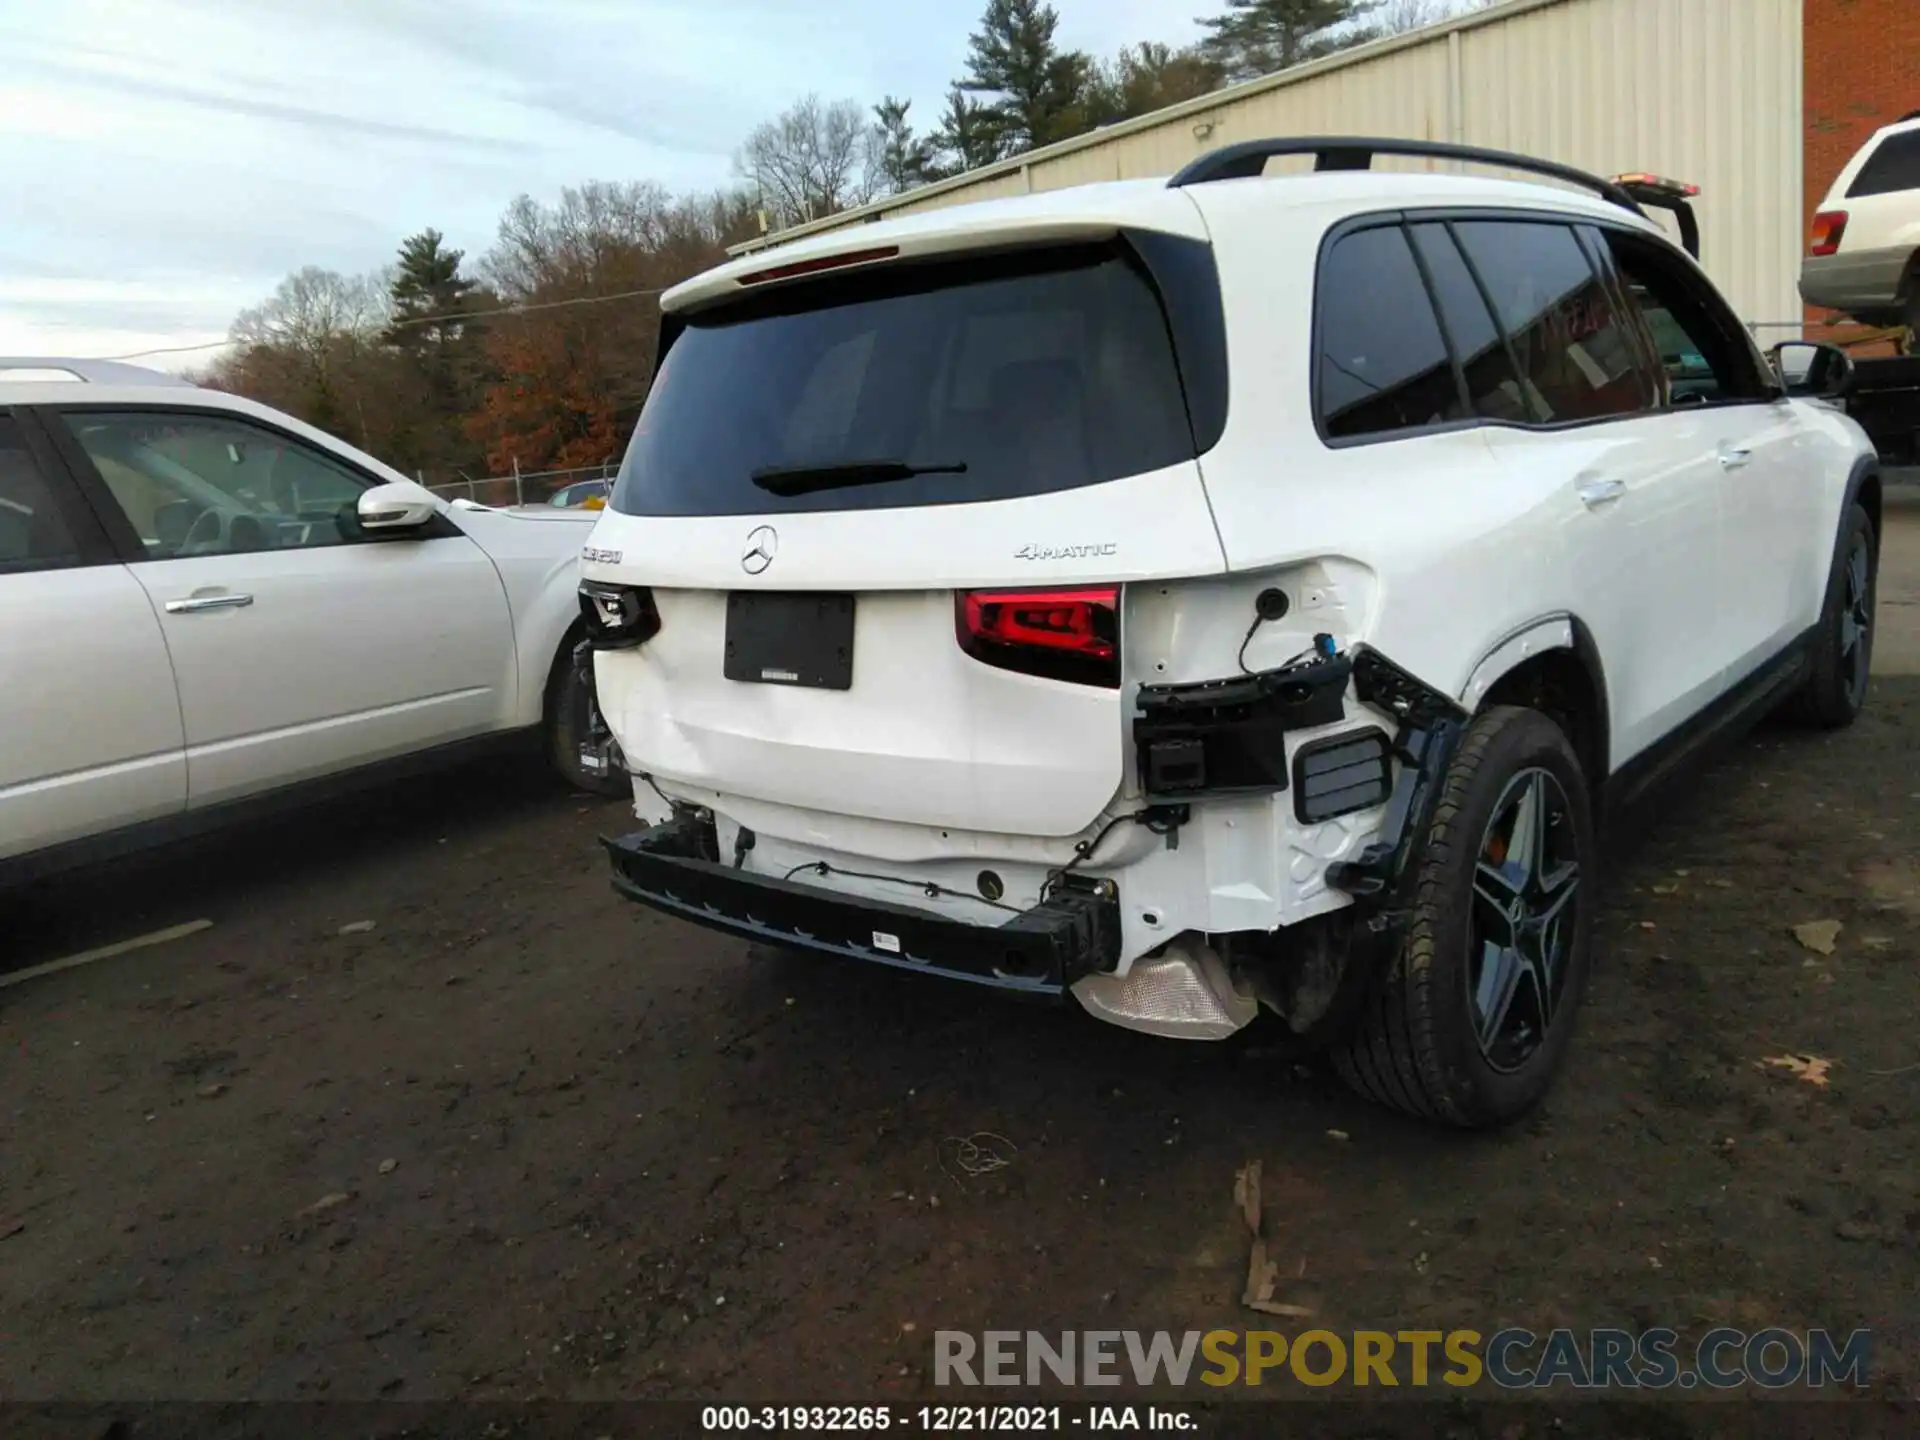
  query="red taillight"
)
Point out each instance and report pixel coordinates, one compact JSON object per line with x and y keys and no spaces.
{"x":1057,"y":634}
{"x":1829,"y":227}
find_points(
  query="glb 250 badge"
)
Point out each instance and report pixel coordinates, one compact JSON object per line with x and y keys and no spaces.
{"x":599,"y":557}
{"x":1064,"y":552}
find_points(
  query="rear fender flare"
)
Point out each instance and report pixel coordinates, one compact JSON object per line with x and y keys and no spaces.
{"x":1549,"y":632}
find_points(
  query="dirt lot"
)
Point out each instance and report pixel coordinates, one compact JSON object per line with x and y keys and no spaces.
{"x":588,"y":1152}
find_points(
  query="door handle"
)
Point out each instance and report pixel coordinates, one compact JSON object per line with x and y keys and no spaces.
{"x":1732,"y":457}
{"x":1595,"y":493}
{"x":196,"y":603}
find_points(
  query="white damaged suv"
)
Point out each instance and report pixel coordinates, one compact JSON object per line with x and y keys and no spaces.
{"x":1229,"y":593}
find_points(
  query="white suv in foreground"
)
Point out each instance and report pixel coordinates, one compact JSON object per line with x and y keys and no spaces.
{"x":1216,"y":594}
{"x":207,"y":608}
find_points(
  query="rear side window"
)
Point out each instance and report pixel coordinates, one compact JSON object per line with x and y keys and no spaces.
{"x":33,"y":536}
{"x":914,"y":385}
{"x":1493,"y":385}
{"x":1577,"y":360}
{"x":1894,"y":165}
{"x":1382,"y":365}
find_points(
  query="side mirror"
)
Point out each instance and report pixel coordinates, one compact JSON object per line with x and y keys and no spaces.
{"x":1820,"y":372}
{"x":399,"y":507}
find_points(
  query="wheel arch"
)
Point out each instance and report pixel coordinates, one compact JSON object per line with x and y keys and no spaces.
{"x":1863,"y":489}
{"x":560,"y":666}
{"x":1552,"y":664}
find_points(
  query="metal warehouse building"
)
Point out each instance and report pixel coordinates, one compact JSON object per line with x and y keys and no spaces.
{"x":1732,"y":95}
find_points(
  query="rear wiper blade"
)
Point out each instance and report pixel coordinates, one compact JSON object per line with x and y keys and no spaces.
{"x":789,"y":480}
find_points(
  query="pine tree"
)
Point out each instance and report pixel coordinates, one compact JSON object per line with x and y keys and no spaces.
{"x":906,"y":159}
{"x":1013,"y":57}
{"x":970,"y":135}
{"x":1143,"y":78}
{"x":428,"y":291}
{"x":1258,"y":37}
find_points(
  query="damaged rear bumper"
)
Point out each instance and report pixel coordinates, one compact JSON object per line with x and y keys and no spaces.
{"x":675,"y":868}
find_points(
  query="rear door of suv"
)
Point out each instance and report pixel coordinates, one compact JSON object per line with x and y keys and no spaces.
{"x":889,"y":516}
{"x":90,"y":736}
{"x":1559,"y":366}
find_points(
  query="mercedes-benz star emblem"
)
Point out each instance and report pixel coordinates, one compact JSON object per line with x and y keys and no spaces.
{"x":763,"y":544}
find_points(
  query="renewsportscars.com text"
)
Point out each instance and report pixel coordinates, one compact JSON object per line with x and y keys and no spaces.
{"x":1512,"y":1359}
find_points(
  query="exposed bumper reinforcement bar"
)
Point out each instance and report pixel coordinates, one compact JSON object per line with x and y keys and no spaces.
{"x":675,"y":868}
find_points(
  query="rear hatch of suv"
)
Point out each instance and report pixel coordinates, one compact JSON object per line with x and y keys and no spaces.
{"x":888,"y":509}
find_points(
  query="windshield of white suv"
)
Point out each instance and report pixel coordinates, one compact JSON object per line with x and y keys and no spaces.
{"x":987,"y":379}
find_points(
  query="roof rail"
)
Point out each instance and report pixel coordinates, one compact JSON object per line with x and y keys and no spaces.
{"x":92,"y":372}
{"x":1356,"y":152}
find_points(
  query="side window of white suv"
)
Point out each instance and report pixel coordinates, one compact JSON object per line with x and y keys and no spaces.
{"x":200,"y":484}
{"x":1576,"y":353}
{"x":1382,"y":363}
{"x":33,"y":533}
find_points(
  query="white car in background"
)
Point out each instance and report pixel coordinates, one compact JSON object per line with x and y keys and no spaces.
{"x":207,"y":606}
{"x":1864,"y":258}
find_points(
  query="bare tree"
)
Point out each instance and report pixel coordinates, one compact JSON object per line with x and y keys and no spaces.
{"x":1397,"y":17}
{"x":312,"y":333}
{"x":813,"y":159}
{"x":313,"y":308}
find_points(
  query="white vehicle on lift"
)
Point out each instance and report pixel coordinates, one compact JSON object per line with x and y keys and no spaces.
{"x":1204,"y":595}
{"x":208,"y":607}
{"x":1864,"y":259}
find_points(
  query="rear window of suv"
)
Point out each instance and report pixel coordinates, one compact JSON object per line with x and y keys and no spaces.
{"x":988,"y":379}
{"x":1895,"y":165}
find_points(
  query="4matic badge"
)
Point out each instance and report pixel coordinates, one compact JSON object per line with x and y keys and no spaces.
{"x":1064,"y":552}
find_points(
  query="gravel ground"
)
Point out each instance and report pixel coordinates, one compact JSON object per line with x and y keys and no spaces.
{"x":519,"y":1139}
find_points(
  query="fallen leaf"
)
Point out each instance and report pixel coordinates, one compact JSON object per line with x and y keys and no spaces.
{"x":212,"y":1091}
{"x":1262,"y":1275}
{"x":387,"y":1167}
{"x":1666,"y":889}
{"x":328,"y":1202}
{"x":357,"y":927}
{"x":1280,"y":1307}
{"x":1648,"y":925}
{"x":1818,"y":935}
{"x":1877,"y":942}
{"x":1810,"y":1068}
{"x":1246,"y":1194}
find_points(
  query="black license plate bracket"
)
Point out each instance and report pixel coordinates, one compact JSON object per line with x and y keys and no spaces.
{"x":781,"y":638}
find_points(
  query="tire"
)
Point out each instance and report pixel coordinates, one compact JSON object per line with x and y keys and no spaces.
{"x":567,"y":724}
{"x":1418,"y":1046}
{"x":1836,"y":691}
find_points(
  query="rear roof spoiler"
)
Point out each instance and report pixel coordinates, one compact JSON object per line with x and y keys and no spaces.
{"x":1669,"y":195}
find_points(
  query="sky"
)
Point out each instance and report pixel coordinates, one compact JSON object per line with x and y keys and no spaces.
{"x":164,"y":163}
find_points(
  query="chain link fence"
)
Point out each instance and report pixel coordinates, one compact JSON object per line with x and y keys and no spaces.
{"x":524,"y":487}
